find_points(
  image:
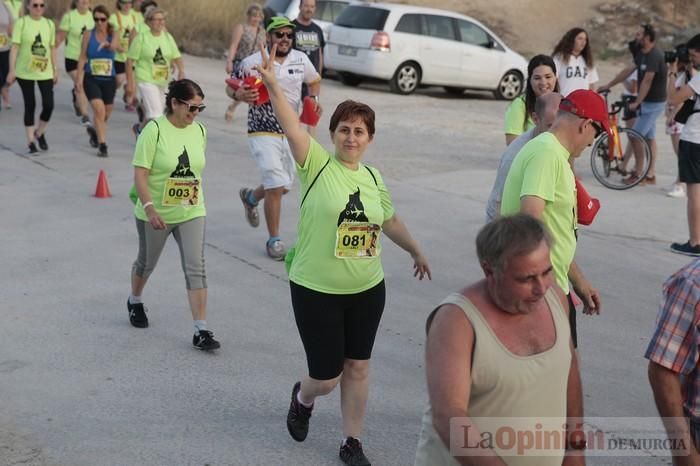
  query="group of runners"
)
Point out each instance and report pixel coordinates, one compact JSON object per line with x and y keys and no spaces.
{"x":104,"y":49}
{"x":523,"y":310}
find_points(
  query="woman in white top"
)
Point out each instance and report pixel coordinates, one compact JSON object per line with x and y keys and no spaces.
{"x":574,"y":61}
{"x":673,"y":128}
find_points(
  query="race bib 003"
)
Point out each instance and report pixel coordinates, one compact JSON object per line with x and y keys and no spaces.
{"x":357,"y":240}
{"x":160,"y":72}
{"x":182,"y":192}
{"x":38,"y":64}
{"x":101,"y":67}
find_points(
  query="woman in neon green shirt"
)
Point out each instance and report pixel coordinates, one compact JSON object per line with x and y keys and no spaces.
{"x":168,"y":164}
{"x":123,"y":22}
{"x":33,"y":60}
{"x":150,"y":58}
{"x":16,"y":10}
{"x":541,"y":79}
{"x":71,"y":28}
{"x":336,"y":276}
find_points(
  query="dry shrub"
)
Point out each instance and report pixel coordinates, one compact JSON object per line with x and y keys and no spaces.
{"x":200,"y":27}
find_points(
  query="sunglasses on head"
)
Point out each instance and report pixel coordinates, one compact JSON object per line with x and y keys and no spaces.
{"x":281,"y":35}
{"x":193,"y":108}
{"x":37,"y":5}
{"x":100,"y":19}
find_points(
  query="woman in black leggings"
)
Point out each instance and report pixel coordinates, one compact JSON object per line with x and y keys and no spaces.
{"x":33,"y":60}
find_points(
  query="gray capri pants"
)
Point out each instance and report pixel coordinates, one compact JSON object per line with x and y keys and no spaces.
{"x":190,"y":239}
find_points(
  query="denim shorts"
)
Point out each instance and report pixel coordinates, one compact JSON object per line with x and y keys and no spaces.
{"x":649,"y":112}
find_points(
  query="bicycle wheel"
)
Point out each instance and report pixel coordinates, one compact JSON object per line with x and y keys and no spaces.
{"x":609,"y":171}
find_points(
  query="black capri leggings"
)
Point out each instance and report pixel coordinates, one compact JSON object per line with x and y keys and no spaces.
{"x":334,"y":327}
{"x":46,"y":90}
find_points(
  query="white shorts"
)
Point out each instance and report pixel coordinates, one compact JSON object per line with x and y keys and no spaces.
{"x":274,"y":159}
{"x":152,"y":100}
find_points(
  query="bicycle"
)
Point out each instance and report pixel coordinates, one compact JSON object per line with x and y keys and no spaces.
{"x":608,"y":159}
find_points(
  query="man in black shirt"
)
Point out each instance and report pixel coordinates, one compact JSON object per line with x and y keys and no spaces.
{"x":308,"y":36}
{"x":651,"y":97}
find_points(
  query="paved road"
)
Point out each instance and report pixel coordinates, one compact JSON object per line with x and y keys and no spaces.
{"x":80,"y":387}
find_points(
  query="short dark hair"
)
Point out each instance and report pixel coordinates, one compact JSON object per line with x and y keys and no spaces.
{"x":183,"y":89}
{"x":649,"y":31}
{"x":694,"y":42}
{"x":508,"y":237}
{"x":349,"y":110}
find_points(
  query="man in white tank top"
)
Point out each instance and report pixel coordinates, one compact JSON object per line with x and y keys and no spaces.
{"x":499,"y":356}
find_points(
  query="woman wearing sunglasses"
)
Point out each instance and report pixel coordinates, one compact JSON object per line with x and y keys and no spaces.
{"x":33,"y":61}
{"x":95,"y":75}
{"x":76,"y":21}
{"x":168,"y":164}
{"x":151,"y":56}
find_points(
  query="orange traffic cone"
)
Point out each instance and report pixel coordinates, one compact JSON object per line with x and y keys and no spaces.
{"x":102,"y":189}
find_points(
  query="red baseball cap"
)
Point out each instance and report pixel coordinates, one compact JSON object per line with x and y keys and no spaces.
{"x":585,"y":103}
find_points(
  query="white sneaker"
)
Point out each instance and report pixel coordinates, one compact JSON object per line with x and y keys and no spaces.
{"x":676,"y":191}
{"x":276,"y":250}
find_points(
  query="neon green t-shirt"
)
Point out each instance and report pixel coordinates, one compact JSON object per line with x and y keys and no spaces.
{"x":123,"y":24}
{"x":515,"y":117}
{"x":15,"y":7}
{"x":74,"y":24}
{"x":542,"y":169}
{"x":175,"y":158}
{"x":36,"y":39}
{"x":338,"y":235}
{"x":152,"y":56}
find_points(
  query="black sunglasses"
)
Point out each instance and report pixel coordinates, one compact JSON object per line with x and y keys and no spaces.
{"x":100,"y":19}
{"x":193,"y":108}
{"x":598,"y":129}
{"x":281,"y":35}
{"x":37,"y":5}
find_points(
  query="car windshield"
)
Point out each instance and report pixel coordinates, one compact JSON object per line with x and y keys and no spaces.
{"x":279,"y":6}
{"x":362,"y":17}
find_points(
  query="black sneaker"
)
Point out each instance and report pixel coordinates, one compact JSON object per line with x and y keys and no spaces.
{"x":102,"y":151}
{"x":351,"y":453}
{"x":298,"y":416}
{"x":85,"y":121}
{"x":43,"y":145}
{"x":93,"y":136}
{"x":204,"y":340}
{"x":137,"y":314}
{"x":33,"y":149}
{"x":686,"y":249}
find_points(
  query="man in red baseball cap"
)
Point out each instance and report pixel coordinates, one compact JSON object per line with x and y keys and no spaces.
{"x":541,"y":183}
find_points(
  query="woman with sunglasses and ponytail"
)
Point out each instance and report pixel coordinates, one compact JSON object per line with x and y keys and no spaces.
{"x":168,"y":164}
{"x":71,"y":28}
{"x":151,"y":55}
{"x":33,"y":61}
{"x":96,"y":76}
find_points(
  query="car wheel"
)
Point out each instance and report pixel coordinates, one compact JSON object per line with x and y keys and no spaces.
{"x":454,"y":90}
{"x":510,"y":86}
{"x":406,"y":78}
{"x":350,"y":79}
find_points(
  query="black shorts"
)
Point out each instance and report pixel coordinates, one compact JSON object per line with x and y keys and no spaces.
{"x":103,"y":89}
{"x":335,"y":327}
{"x":71,"y":65}
{"x":119,"y":67}
{"x":688,"y":162}
{"x":4,"y":66}
{"x":572,"y":320}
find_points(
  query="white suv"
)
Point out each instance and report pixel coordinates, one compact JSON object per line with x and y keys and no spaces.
{"x":409,"y":46}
